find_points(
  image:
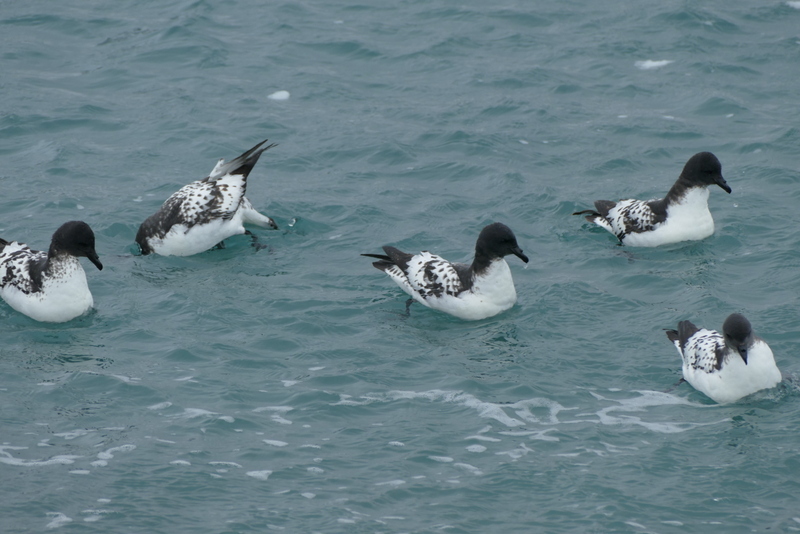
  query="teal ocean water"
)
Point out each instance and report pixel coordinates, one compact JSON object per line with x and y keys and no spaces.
{"x":283,"y":389}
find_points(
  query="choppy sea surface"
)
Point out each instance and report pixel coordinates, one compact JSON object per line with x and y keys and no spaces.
{"x":284,"y":389}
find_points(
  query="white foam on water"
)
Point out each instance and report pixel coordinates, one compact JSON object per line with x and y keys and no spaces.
{"x":649,"y":64}
{"x":281,"y":409}
{"x":108,"y":453}
{"x":315,"y":469}
{"x":226,"y":418}
{"x":162,"y":440}
{"x":393,"y":483}
{"x":476,"y":448}
{"x":275,"y":442}
{"x":73,"y":434}
{"x":484,"y":438}
{"x":80,"y":472}
{"x":308,"y":495}
{"x":126,"y":379}
{"x":94,"y":515}
{"x":225,"y":464}
{"x":191,"y":413}
{"x":279,"y":95}
{"x":59,"y":520}
{"x":397,"y":444}
{"x":289,"y":383}
{"x":8,"y":459}
{"x":540,"y":435}
{"x":467,"y":467}
{"x":180,"y":462}
{"x":524,"y":409}
{"x":646,"y":400}
{"x":444,"y":459}
{"x":259,"y":475}
{"x":160,"y":406}
{"x":516,"y":454}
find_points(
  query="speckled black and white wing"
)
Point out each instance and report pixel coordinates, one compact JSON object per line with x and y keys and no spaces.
{"x":204,"y":212}
{"x":432,"y":276}
{"x":16,"y":260}
{"x":627,"y":216}
{"x":705,"y":351}
{"x":701,"y":350}
{"x":195,"y":204}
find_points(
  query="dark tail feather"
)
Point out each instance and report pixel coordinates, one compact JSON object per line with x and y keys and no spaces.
{"x":378,"y":256}
{"x":384,"y":264}
{"x":676,"y":384}
{"x":589,"y":214}
{"x":242,"y":164}
{"x":672,"y":335}
{"x":245,"y":163}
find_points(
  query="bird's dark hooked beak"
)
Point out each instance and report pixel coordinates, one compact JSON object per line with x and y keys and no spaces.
{"x":720,"y":181}
{"x":518,"y":253}
{"x":743,"y":352}
{"x":94,"y":258}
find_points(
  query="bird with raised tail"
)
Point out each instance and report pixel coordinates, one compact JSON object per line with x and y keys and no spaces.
{"x":49,"y":286}
{"x":204,"y":213}
{"x":726,"y":366}
{"x":682,"y":215}
{"x":472,"y":292}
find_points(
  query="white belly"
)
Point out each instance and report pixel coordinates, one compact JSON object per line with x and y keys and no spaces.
{"x":182,"y":242}
{"x":60,"y":299}
{"x":491,"y":294}
{"x":689,"y":220}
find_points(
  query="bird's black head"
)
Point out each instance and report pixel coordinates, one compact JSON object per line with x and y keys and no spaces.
{"x":738,"y":334}
{"x":705,"y":169}
{"x":496,"y":241}
{"x":77,"y":239}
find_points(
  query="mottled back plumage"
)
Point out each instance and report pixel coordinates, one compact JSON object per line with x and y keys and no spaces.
{"x":682,"y":215}
{"x":726,"y":366}
{"x":49,"y":286}
{"x":450,"y":287}
{"x":218,"y":200}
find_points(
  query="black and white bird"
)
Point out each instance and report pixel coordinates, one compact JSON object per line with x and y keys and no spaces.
{"x":470,"y":292}
{"x":682,"y":215}
{"x":204,"y":213}
{"x":49,"y":286}
{"x":726,"y":366}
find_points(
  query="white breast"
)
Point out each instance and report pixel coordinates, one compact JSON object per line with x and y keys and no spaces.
{"x":737,"y":379}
